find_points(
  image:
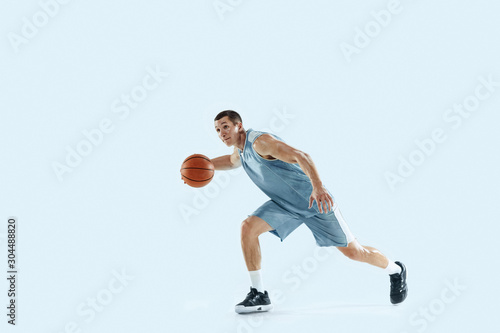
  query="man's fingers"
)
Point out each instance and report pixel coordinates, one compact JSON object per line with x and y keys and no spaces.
{"x":324,"y":201}
{"x":320,"y":206}
{"x":328,"y":205}
{"x":330,"y":202}
{"x":325,"y":204}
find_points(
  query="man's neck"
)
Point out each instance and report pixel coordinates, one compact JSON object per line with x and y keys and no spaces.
{"x":241,"y":140}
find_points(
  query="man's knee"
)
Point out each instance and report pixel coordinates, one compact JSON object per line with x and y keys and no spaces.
{"x":252,"y":226}
{"x":248,"y":228}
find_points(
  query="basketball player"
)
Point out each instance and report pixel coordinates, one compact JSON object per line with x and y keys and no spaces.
{"x":289,"y":177}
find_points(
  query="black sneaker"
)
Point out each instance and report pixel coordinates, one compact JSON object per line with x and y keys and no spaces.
{"x":254,"y":302}
{"x":399,"y":289}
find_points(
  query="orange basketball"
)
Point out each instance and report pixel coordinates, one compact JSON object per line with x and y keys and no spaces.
{"x":197,"y":170}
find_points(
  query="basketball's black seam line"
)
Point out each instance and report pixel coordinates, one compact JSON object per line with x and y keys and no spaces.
{"x":196,"y":157}
{"x":197,"y":168}
{"x":198,"y":180}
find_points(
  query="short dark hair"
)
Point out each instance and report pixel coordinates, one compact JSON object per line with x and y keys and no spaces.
{"x":232,"y":115}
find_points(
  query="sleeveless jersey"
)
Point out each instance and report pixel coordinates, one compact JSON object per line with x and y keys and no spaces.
{"x":285,"y":183}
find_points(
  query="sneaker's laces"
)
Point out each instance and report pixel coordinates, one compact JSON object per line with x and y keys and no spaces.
{"x":396,"y":282}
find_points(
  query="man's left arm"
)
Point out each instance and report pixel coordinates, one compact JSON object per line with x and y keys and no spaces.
{"x":268,"y":145}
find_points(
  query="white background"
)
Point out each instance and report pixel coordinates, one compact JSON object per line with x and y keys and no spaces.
{"x":124,"y":208}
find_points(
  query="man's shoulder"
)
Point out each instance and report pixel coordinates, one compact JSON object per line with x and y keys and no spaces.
{"x":264,"y":139}
{"x":265,"y":145}
{"x":254,"y":135}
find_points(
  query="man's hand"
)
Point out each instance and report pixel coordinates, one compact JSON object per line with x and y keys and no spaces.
{"x":323,"y":199}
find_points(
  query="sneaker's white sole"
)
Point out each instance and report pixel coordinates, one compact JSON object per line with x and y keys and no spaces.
{"x":250,"y":309}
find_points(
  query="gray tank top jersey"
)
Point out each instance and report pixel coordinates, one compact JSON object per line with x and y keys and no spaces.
{"x":284,"y":183}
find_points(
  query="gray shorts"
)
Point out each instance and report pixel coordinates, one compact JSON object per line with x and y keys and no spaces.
{"x":328,"y":229}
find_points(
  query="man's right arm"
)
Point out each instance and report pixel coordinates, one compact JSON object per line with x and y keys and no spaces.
{"x":227,"y":162}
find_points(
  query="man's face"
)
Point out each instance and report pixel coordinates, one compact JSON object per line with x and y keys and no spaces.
{"x":227,"y":131}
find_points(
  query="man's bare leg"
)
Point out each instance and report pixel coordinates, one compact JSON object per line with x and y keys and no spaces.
{"x":363,"y":253}
{"x":372,"y":256}
{"x":257,"y":299}
{"x":251,"y":228}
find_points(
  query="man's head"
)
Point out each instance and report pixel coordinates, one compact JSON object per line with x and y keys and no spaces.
{"x":228,"y":125}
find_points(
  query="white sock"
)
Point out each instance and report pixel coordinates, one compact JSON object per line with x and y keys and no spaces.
{"x":256,"y":280}
{"x":392,"y":268}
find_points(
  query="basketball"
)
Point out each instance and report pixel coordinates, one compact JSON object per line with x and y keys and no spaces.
{"x":197,"y":170}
